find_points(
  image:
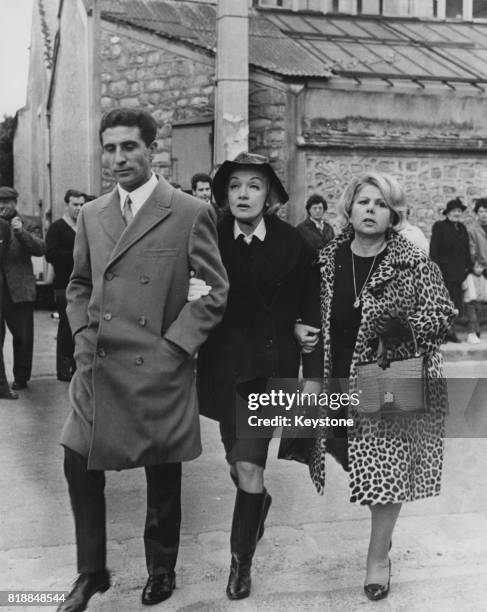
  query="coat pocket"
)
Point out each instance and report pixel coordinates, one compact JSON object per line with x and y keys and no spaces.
{"x":159,"y":253}
{"x":171,"y":356}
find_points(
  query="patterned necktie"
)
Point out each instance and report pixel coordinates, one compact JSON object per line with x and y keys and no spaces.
{"x":127,"y":213}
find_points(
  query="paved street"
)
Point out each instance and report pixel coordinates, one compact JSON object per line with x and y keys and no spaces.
{"x":311,"y":557}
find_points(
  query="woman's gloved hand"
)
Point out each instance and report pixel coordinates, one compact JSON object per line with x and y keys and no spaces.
{"x":390,"y":324}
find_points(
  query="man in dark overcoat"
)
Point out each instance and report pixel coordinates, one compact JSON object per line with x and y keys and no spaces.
{"x":19,"y":290}
{"x":133,"y":397}
{"x":449,"y":248}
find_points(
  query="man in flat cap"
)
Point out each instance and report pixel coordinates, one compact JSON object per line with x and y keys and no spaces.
{"x":19,"y":285}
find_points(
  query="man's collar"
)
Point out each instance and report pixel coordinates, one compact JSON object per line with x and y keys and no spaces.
{"x":259,"y":232}
{"x":319,"y":224}
{"x":140,"y":195}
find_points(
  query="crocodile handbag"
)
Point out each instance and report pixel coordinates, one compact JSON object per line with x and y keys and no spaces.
{"x":398,"y":389}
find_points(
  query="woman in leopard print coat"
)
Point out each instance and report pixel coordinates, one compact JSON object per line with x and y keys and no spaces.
{"x":372,"y":280}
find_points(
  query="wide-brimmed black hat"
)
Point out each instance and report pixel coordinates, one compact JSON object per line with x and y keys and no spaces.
{"x":277,"y":193}
{"x":453,"y":205}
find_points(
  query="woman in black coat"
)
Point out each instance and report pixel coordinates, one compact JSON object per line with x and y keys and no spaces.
{"x":267,"y":264}
{"x":449,"y":248}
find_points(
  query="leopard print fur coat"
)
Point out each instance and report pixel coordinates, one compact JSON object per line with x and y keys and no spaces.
{"x":400,"y":459}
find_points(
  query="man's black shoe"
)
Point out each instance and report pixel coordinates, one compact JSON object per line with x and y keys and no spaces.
{"x":19,"y":384}
{"x":83,"y":590}
{"x":158,"y":588}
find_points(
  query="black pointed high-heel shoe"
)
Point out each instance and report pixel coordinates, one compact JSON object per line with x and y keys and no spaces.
{"x":378,"y":591}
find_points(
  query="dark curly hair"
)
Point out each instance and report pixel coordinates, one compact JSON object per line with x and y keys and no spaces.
{"x":316,"y":199}
{"x":131,"y":117}
{"x":480,"y":203}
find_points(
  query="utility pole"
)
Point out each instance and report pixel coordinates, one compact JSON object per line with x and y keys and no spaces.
{"x":93,"y":88}
{"x":232,"y":80}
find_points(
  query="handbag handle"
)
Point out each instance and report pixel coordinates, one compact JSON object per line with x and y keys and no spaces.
{"x":381,"y":347}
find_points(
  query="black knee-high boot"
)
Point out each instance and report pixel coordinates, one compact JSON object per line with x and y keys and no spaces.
{"x":265,"y":506}
{"x":265,"y":510}
{"x":247,"y":517}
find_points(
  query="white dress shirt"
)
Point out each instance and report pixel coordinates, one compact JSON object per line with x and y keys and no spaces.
{"x":319,"y":224}
{"x":138,"y":196}
{"x":259,"y":232}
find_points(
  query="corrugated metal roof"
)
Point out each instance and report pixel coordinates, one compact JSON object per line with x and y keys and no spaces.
{"x":195,"y":23}
{"x":391,"y":48}
{"x":310,"y":44}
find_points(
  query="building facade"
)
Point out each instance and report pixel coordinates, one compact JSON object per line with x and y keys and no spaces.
{"x":334,"y":89}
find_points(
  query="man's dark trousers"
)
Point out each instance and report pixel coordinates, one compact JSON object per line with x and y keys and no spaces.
{"x":163,"y":519}
{"x":19,"y":317}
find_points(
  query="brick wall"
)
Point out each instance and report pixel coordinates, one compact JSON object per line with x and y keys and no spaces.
{"x":170,"y":86}
{"x":428,"y":180}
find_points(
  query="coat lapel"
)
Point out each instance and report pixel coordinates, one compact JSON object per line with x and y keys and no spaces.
{"x":153,"y":211}
{"x":396,"y":259}
{"x":110,"y":217}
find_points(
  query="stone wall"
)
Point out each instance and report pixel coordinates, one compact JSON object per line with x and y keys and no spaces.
{"x":428,"y":180}
{"x":267,"y":126}
{"x":170,"y":86}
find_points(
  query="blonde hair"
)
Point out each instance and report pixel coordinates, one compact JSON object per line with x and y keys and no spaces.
{"x":269,"y":209}
{"x":391,"y":191}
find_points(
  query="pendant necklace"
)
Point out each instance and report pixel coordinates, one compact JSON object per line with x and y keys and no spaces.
{"x":358,"y":297}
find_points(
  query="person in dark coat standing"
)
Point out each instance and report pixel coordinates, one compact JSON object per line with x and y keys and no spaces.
{"x":5,"y":391}
{"x":267,"y":262}
{"x":59,"y":253}
{"x":19,"y":291}
{"x":449,"y":248}
{"x":133,"y":394}
{"x":314,"y":229}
